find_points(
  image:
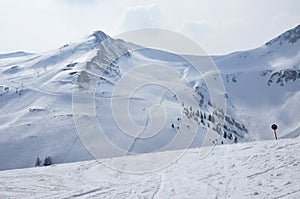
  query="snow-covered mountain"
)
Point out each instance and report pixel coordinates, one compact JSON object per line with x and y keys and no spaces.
{"x":37,"y":119}
{"x":263,"y":85}
{"x":266,"y":169}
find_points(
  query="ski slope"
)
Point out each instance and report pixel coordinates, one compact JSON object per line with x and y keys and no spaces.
{"x":265,"y":169}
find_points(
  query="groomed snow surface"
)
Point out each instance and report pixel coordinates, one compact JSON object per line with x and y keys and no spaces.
{"x":266,"y":169}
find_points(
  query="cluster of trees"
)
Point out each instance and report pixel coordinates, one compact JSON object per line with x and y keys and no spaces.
{"x":47,"y":161}
{"x":200,"y":117}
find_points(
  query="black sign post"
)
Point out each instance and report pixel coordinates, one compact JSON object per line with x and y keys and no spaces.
{"x":274,"y":127}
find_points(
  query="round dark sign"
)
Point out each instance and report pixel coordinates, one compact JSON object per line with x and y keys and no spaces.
{"x":274,"y":127}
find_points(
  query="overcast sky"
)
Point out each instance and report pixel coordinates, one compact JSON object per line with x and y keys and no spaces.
{"x":218,"y":26}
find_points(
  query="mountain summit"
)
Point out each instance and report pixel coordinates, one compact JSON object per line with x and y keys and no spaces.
{"x":289,"y":37}
{"x":99,"y":36}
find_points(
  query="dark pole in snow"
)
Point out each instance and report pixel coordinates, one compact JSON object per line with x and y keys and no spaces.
{"x":274,"y":127}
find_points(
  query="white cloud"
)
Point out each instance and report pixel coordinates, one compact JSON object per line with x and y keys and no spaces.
{"x":141,"y":17}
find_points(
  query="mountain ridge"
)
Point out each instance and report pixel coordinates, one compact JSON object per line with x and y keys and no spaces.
{"x":291,"y":36}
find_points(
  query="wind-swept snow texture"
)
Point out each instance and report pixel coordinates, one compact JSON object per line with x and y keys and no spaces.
{"x":265,"y":169}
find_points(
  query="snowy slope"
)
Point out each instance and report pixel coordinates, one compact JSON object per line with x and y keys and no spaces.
{"x":35,"y":106}
{"x":37,"y":119}
{"x":263,"y":85}
{"x":266,"y":169}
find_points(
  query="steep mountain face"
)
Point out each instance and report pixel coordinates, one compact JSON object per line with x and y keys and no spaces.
{"x":37,"y":117}
{"x":289,"y":37}
{"x":263,"y":85}
{"x":111,"y":61}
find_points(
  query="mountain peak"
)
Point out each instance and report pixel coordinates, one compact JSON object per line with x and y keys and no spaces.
{"x":99,"y":36}
{"x":291,"y":36}
{"x":14,"y":54}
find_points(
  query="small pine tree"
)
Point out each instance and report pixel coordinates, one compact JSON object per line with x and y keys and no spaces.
{"x":209,"y":117}
{"x":229,"y":135}
{"x":197,"y":113}
{"x":235,"y":140}
{"x":37,"y":162}
{"x":202,"y":121}
{"x":47,"y":161}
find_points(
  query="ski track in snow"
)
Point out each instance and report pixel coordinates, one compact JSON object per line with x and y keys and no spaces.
{"x":267,"y":169}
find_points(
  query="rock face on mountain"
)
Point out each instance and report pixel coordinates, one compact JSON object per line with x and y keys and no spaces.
{"x":284,"y":76}
{"x":291,"y":36}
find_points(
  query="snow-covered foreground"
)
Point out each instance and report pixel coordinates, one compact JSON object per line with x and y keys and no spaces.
{"x":266,"y":169}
